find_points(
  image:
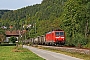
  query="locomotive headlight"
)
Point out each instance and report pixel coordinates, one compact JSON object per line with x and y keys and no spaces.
{"x":62,"y":37}
{"x":57,"y":37}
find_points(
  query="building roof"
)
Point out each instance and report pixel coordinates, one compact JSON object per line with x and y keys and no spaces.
{"x":15,"y":32}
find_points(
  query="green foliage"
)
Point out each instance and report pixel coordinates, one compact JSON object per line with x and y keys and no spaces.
{"x":79,"y":40}
{"x":12,"y":39}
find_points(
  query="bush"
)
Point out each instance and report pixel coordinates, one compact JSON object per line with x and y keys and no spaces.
{"x":80,"y":40}
{"x":88,"y":45}
{"x":12,"y":39}
{"x":77,"y":41}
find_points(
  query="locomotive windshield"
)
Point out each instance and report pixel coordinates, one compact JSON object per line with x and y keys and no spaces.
{"x":59,"y":33}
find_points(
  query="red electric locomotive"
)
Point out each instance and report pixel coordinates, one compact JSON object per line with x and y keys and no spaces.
{"x":56,"y":37}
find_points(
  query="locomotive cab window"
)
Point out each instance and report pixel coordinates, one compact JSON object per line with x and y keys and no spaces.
{"x":59,"y":34}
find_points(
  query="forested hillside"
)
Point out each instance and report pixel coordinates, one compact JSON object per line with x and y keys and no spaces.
{"x":2,"y":12}
{"x":70,"y":15}
{"x":42,"y":11}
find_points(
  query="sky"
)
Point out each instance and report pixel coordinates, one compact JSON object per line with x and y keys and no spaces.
{"x":17,"y":4}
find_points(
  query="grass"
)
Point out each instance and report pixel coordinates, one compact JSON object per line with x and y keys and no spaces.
{"x":73,"y":54}
{"x":13,"y":53}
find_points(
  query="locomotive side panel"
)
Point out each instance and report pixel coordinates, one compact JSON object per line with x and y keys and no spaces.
{"x":50,"y":38}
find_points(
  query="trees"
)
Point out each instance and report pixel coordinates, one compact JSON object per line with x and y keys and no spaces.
{"x":74,"y":20}
{"x":2,"y":35}
{"x":87,"y":28}
{"x":70,"y":15}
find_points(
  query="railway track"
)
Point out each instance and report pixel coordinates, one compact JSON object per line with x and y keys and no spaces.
{"x":70,"y":49}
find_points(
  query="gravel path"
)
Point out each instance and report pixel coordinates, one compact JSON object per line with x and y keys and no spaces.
{"x":48,"y":55}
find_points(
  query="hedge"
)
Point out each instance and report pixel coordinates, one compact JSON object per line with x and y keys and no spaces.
{"x":7,"y":44}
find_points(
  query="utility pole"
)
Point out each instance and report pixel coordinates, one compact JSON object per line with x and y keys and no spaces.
{"x":35,"y":28}
{"x":21,"y":31}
